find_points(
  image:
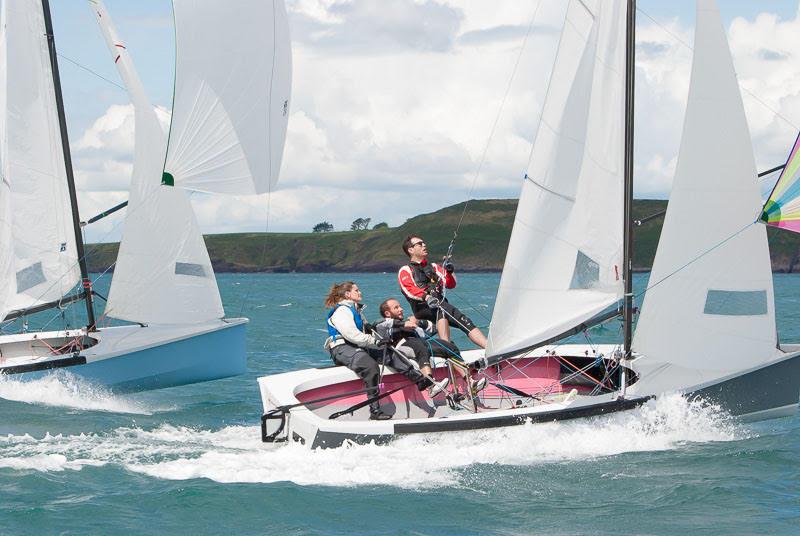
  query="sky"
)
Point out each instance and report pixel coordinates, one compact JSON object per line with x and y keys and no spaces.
{"x":402,"y":107}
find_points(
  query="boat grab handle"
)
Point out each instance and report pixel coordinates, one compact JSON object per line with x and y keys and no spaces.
{"x":279,"y":413}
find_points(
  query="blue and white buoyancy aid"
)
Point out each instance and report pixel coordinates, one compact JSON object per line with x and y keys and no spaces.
{"x":332,"y":331}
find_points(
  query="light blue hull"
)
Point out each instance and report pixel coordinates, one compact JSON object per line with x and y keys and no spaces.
{"x":197,"y":358}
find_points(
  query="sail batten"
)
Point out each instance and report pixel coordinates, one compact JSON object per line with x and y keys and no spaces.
{"x":564,"y":260}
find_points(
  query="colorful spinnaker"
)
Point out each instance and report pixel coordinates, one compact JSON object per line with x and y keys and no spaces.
{"x":782,"y":208}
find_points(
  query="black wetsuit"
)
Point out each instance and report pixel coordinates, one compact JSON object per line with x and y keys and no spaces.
{"x":419,"y":340}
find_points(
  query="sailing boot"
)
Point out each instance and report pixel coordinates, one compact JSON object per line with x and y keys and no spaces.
{"x":438,"y":387}
{"x":377,"y":414}
{"x":476,"y":386}
{"x":424,"y":382}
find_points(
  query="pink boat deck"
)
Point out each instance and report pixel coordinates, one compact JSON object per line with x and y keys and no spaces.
{"x":533,"y":376}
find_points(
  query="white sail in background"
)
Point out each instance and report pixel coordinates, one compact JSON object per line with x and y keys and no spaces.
{"x":6,"y":244}
{"x":564,"y":260}
{"x":163,"y":273}
{"x":711,"y":311}
{"x":36,"y":220}
{"x":232,"y":89}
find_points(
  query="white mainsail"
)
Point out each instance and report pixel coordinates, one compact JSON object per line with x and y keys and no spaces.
{"x":710,"y":311}
{"x":232,"y":88}
{"x":163,"y":273}
{"x":564,"y":260}
{"x":36,"y":221}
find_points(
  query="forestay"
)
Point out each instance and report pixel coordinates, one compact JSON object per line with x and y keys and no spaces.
{"x":35,"y":211}
{"x":710,"y":309}
{"x":564,"y":260}
{"x":782,"y":208}
{"x":232,"y":89}
{"x":163,"y":273}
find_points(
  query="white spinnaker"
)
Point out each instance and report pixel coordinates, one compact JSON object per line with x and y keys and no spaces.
{"x":233,"y":70}
{"x":37,"y":205}
{"x":564,"y":260}
{"x":163,"y":273}
{"x":711,"y":310}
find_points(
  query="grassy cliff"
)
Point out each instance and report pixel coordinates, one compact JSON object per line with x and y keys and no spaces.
{"x":481,"y":245}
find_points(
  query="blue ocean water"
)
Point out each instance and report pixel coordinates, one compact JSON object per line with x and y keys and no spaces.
{"x":75,"y":458}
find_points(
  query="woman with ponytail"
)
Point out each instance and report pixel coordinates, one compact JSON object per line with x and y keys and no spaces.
{"x":352,"y":346}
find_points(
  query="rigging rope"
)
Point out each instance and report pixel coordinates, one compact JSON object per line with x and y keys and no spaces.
{"x":98,"y":75}
{"x":697,"y":258}
{"x":494,"y":125}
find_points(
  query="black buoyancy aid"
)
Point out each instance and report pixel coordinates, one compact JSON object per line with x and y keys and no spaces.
{"x":425,"y":276}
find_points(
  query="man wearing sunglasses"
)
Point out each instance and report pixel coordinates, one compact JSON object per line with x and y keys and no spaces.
{"x":423,"y":284}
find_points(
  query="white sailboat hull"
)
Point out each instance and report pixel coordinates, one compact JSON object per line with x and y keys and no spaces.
{"x":769,"y":391}
{"x":133,"y":358}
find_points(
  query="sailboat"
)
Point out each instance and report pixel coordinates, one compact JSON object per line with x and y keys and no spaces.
{"x":706,"y":327}
{"x":226,"y":135}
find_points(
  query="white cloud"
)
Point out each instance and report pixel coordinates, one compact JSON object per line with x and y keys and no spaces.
{"x":393,"y":103}
{"x":365,"y":27}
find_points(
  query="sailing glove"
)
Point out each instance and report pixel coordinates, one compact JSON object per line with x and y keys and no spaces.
{"x":433,"y":301}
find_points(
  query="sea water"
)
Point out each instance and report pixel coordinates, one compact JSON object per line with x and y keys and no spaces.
{"x":76,"y":458}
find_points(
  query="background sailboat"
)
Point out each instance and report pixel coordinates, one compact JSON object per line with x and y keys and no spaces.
{"x":227,"y":134}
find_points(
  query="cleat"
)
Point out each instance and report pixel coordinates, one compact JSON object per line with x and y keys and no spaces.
{"x":438,"y":387}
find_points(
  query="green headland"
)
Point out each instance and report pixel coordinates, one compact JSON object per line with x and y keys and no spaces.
{"x":481,"y":244}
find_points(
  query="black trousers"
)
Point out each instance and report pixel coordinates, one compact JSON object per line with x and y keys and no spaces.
{"x":447,"y":310}
{"x":361,"y":361}
{"x":364,"y":362}
{"x":424,"y":349}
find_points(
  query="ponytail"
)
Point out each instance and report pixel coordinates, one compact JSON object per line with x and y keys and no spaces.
{"x":337,"y":292}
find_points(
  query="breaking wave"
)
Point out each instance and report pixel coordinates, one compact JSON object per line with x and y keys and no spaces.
{"x":236,"y":454}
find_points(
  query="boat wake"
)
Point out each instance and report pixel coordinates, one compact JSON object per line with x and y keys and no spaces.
{"x":67,"y":390}
{"x":236,"y":454}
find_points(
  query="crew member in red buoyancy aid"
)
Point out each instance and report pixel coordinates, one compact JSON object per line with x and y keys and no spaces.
{"x":351,"y":345}
{"x":423,"y":285}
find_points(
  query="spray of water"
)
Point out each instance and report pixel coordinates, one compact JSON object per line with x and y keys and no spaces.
{"x":235,"y":454}
{"x":63,"y":389}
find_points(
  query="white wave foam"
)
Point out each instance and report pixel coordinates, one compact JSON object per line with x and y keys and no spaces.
{"x":67,"y":390}
{"x":236,"y":454}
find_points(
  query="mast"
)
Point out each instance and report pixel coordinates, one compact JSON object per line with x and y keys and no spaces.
{"x":627,"y":272}
{"x":62,"y":123}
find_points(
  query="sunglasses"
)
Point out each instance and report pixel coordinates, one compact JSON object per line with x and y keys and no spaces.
{"x":415,"y":244}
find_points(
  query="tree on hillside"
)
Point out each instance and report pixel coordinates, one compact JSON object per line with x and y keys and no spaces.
{"x":322,"y":227}
{"x":360,"y":224}
{"x":381,"y":225}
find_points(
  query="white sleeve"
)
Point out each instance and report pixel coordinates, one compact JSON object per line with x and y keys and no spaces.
{"x":342,"y":320}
